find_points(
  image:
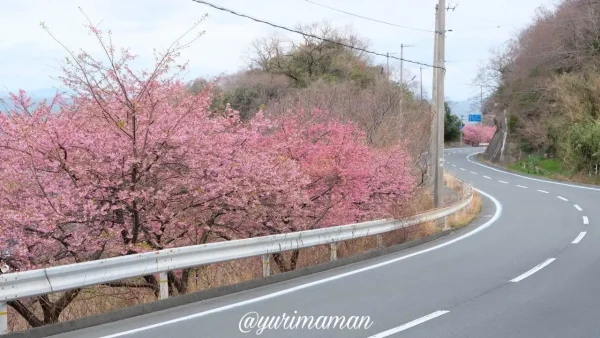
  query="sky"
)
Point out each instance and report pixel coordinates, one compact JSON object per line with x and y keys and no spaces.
{"x":29,"y":57}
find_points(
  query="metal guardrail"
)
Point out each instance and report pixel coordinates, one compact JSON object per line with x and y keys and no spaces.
{"x":18,"y":285}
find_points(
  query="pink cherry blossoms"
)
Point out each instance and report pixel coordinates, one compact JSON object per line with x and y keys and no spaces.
{"x":474,"y":134}
{"x":133,"y":161}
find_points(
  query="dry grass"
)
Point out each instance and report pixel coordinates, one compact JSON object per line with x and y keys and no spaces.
{"x":466,"y":215}
{"x":100,"y":299}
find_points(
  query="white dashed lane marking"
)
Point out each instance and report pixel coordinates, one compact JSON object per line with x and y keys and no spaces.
{"x":579,"y":238}
{"x":409,"y":324}
{"x":532,"y":271}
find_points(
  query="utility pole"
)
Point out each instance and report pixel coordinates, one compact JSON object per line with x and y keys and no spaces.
{"x":402,"y":46}
{"x":462,"y":117}
{"x":402,"y":73}
{"x":481,"y":102}
{"x":421,"y":70}
{"x":433,"y":140}
{"x":387,"y":55}
{"x":438,"y":196}
{"x":387,"y":68}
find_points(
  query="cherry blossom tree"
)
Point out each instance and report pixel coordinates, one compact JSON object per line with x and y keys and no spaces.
{"x":132,"y":161}
{"x":475,"y":134}
{"x":348,"y":180}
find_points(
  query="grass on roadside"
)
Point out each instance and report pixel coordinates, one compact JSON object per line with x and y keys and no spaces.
{"x":551,"y":168}
{"x":536,"y":165}
{"x":468,"y":214}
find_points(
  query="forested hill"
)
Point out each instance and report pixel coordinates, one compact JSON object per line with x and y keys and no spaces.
{"x":547,"y":81}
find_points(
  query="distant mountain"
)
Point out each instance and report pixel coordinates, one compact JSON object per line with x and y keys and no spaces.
{"x":459,"y":108}
{"x":464,"y":108}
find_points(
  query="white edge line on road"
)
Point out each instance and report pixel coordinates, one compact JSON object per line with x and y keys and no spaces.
{"x":562,"y":198}
{"x":543,"y":191}
{"x":522,"y":186}
{"x":532,"y":271}
{"x":503,"y":182}
{"x":529,"y":178}
{"x":577,"y":207}
{"x":579,"y":238}
{"x":489,"y":178}
{"x":586,"y":220}
{"x":320,"y":281}
{"x":410,"y":324}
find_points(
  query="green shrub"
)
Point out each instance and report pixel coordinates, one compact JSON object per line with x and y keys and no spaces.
{"x":583,"y":146}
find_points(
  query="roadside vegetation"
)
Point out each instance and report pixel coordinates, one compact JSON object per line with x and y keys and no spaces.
{"x":547,"y":81}
{"x":309,"y":135}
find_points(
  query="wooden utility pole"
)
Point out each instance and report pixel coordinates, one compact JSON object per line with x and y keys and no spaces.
{"x":387,"y":68}
{"x":421,"y":70}
{"x":402,"y":46}
{"x":438,"y":196}
{"x":433,"y":140}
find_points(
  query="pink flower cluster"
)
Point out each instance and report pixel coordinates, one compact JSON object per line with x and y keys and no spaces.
{"x":475,"y":134}
{"x":118,"y":170}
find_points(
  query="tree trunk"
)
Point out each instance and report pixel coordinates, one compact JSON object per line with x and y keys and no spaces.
{"x":283,"y":265}
{"x":51,"y":310}
{"x":179,"y":284}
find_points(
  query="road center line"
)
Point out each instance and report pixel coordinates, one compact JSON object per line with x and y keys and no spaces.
{"x":474,"y":173}
{"x":562,"y":198}
{"x":454,"y":165}
{"x":522,"y":186}
{"x":532,"y":271}
{"x":543,"y":191}
{"x":586,"y":220}
{"x":462,"y":168}
{"x":577,"y":207}
{"x":503,"y":182}
{"x":579,"y":238}
{"x":410,"y":324}
{"x":489,"y":178}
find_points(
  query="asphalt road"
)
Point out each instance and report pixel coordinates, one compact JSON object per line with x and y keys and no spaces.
{"x":530,"y":267}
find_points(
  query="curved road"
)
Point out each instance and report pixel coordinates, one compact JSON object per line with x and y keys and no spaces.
{"x":529,"y":268}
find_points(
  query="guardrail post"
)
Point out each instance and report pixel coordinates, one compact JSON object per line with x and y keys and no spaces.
{"x":333,"y":251}
{"x":379,"y":241}
{"x":164,"y":285}
{"x":266,"y":263}
{"x":3,"y":318}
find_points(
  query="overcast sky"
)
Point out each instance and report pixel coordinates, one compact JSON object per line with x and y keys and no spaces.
{"x":28,"y":56}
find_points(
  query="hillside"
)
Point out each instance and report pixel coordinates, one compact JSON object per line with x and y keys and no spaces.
{"x":546,"y":89}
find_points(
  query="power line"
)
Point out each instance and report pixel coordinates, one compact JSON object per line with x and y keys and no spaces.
{"x":311,"y":35}
{"x":371,"y":19}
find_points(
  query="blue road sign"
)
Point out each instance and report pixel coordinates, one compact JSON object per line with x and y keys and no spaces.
{"x":474,"y":117}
